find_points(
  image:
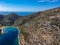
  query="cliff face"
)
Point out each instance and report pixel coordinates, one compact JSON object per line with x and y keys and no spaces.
{"x":43,"y":29}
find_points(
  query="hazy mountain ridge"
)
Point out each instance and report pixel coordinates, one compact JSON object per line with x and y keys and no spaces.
{"x":9,"y":19}
{"x":12,"y":18}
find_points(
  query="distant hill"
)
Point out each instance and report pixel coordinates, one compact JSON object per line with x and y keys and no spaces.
{"x":1,"y":18}
{"x":12,"y":17}
{"x":9,"y":19}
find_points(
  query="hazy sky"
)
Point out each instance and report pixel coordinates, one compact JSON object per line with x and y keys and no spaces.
{"x":28,"y":5}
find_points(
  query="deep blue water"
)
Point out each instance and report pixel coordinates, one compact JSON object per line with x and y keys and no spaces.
{"x":10,"y":36}
{"x":19,"y":13}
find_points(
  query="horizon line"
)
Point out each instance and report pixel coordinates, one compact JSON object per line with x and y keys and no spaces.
{"x":29,"y":11}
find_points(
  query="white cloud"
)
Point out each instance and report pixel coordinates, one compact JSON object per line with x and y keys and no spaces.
{"x":47,"y":0}
{"x":15,"y":8}
{"x":4,"y":7}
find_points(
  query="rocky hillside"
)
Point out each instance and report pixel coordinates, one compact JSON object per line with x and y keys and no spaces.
{"x":42,"y":29}
{"x":14,"y":19}
{"x":1,"y":18}
{"x":8,"y":19}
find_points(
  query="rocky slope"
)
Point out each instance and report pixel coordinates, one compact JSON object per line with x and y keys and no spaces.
{"x":1,"y":18}
{"x":43,"y":29}
{"x":8,"y":19}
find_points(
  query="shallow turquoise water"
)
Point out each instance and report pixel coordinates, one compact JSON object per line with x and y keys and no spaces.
{"x":10,"y":36}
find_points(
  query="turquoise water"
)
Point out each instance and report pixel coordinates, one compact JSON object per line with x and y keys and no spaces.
{"x":10,"y":36}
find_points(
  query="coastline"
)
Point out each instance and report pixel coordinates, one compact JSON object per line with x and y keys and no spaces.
{"x":2,"y":28}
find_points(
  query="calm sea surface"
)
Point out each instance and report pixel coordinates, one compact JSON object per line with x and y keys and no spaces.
{"x":9,"y":36}
{"x":19,"y":13}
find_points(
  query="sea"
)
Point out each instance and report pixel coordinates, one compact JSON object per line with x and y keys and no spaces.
{"x":9,"y":36}
{"x":18,"y":13}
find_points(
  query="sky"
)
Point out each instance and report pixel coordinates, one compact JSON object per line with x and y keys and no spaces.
{"x":28,"y":5}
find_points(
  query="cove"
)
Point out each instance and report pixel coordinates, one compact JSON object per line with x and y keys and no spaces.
{"x":9,"y":36}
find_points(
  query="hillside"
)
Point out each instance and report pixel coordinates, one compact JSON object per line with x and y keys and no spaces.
{"x":1,"y":18}
{"x":8,"y":19}
{"x":42,"y":29}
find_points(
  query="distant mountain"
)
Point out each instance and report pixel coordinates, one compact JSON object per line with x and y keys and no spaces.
{"x":1,"y":17}
{"x":10,"y":18}
{"x":41,"y":28}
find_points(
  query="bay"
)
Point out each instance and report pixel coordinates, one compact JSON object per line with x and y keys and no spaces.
{"x":9,"y":36}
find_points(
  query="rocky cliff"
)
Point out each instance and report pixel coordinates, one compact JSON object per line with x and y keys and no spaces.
{"x":42,"y":29}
